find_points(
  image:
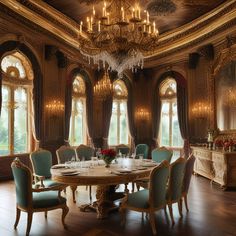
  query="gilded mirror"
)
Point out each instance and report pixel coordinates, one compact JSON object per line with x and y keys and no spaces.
{"x":225,"y":89}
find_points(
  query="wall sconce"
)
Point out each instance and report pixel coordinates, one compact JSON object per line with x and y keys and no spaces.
{"x":55,"y":106}
{"x":142,"y":114}
{"x":200,"y":110}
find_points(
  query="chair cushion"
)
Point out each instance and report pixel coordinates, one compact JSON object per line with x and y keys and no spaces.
{"x":47,"y":199}
{"x":139,"y":199}
{"x":48,"y":183}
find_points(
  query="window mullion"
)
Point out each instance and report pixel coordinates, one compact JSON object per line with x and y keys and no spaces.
{"x":170,"y":124}
{"x":11,"y":120}
{"x":118,"y":122}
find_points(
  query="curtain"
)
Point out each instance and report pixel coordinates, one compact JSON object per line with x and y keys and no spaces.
{"x":130,"y":114}
{"x":107,"y":112}
{"x":89,"y":111}
{"x":156,"y":116}
{"x":68,"y":106}
{"x":0,"y":93}
{"x":182,"y":106}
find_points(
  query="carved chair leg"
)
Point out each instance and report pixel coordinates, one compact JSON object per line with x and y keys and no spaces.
{"x":18,"y":211}
{"x":65,"y":211}
{"x":152,"y":222}
{"x":90,"y":194}
{"x":126,"y":188}
{"x":171,"y":213}
{"x":29,"y":222}
{"x":46,"y":214}
{"x":180,"y":207}
{"x":73,"y":188}
{"x":186,"y":202}
{"x":133,"y":187}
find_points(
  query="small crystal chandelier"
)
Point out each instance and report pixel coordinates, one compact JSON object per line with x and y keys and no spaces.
{"x":120,"y":37}
{"x":103,"y":88}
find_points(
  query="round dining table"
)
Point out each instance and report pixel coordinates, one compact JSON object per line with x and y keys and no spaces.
{"x":125,"y":170}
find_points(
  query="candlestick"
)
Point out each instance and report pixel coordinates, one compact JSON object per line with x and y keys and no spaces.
{"x":122,"y":13}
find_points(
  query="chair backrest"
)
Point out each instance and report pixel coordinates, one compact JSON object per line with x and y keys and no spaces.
{"x":123,"y":149}
{"x":161,"y":154}
{"x":23,"y":183}
{"x":157,"y":186}
{"x":65,"y":153}
{"x":84,"y":151}
{"x":142,"y":149}
{"x":188,"y":172}
{"x":175,"y":184}
{"x":41,"y":161}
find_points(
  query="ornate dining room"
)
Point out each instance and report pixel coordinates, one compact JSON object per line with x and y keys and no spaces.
{"x":118,"y":117}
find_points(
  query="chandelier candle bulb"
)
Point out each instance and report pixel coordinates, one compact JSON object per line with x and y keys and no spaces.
{"x":122,"y":14}
{"x":94,"y":11}
{"x":133,"y":13}
{"x":108,"y":18}
{"x":147,"y":17}
{"x":80,"y":27}
{"x":99,"y":26}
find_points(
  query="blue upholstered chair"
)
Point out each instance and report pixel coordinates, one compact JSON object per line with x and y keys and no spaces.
{"x":161,"y":154}
{"x":158,"y":155}
{"x":149,"y":200}
{"x":34,"y":200}
{"x":64,"y":154}
{"x":142,"y":149}
{"x":84,"y":152}
{"x":187,"y":178}
{"x":123,"y":149}
{"x":175,"y":186}
{"x":41,"y":161}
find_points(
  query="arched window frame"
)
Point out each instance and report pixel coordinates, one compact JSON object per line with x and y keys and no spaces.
{"x":12,"y":80}
{"x":168,"y":95}
{"x":120,"y":97}
{"x":78,"y":97}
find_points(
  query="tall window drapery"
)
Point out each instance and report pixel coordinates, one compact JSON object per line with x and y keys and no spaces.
{"x":119,"y":130}
{"x":15,"y":120}
{"x":169,"y":134}
{"x":78,"y":113}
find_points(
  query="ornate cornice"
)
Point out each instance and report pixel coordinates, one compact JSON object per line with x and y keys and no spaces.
{"x":48,"y":19}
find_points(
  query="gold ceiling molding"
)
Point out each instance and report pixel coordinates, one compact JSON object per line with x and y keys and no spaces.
{"x":67,"y":30}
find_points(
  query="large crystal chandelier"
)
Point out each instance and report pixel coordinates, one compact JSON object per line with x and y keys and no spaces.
{"x":119,"y":36}
{"x":103,"y":88}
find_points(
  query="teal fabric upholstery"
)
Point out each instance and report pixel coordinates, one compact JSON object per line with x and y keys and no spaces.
{"x":22,"y":180}
{"x":161,"y":154}
{"x":85,"y":152}
{"x":42,"y":162}
{"x":139,"y":199}
{"x":176,"y":181}
{"x":188,"y":172}
{"x":123,"y":149}
{"x":48,"y":183}
{"x":157,"y":186}
{"x":47,"y":199}
{"x":65,"y":154}
{"x":142,"y":149}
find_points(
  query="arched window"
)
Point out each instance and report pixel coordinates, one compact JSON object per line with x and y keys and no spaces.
{"x":15,"y":122}
{"x":169,"y":134}
{"x":119,"y":131}
{"x":78,"y":115}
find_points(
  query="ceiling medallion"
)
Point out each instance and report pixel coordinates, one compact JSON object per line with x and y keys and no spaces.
{"x":119,"y":37}
{"x":161,"y":7}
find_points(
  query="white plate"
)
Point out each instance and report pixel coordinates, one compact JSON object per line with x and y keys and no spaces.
{"x":59,"y":166}
{"x":149,"y":164}
{"x":141,"y":168}
{"x":124,"y":171}
{"x":71,"y":174}
{"x":64,"y":172}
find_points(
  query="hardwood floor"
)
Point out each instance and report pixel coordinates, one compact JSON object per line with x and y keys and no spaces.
{"x":212,"y":213}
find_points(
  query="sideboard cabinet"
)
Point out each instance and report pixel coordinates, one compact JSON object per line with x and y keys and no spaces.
{"x":216,"y":165}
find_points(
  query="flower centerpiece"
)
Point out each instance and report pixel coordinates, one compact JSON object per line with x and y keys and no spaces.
{"x":108,"y":155}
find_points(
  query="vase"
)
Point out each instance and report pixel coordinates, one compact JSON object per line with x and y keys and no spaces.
{"x":107,"y":161}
